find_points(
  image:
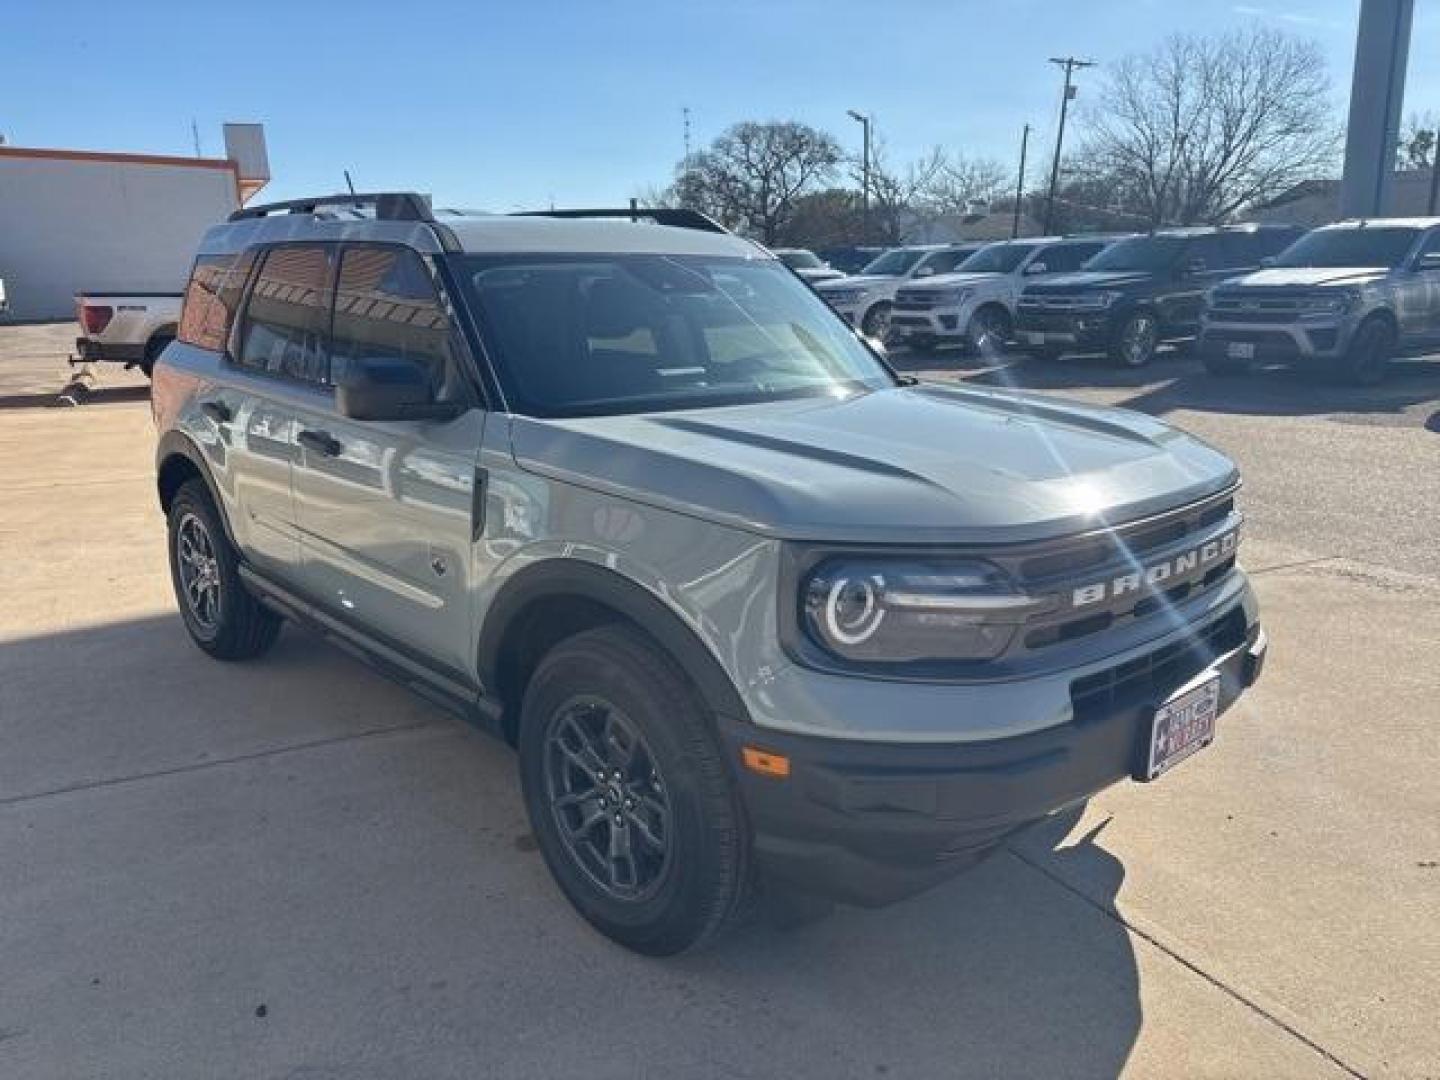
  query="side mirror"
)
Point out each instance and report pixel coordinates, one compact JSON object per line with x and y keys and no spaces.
{"x":1036,"y":268}
{"x":925,"y":271}
{"x":1268,"y":261}
{"x":389,"y":388}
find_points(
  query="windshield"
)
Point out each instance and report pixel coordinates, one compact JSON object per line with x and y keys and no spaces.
{"x":1139,"y":253}
{"x":893,"y":263}
{"x":1385,"y":247}
{"x":578,"y":335}
{"x":800,"y":260}
{"x":996,"y":259}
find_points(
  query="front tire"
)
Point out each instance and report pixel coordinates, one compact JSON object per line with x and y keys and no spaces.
{"x":989,"y":330}
{"x":221,"y":616}
{"x":876,"y":323}
{"x":1367,"y":360}
{"x":628,"y":794}
{"x":1135,"y":342}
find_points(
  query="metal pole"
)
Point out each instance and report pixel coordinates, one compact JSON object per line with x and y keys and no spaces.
{"x":1434,"y":174}
{"x":1070,"y":64}
{"x":864,"y":122}
{"x":1020,"y":183}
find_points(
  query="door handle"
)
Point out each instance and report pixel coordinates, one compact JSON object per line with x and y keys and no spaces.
{"x":217,"y":411}
{"x":322,"y":442}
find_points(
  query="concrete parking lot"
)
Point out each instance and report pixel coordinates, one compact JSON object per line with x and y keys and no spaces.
{"x":293,"y":868}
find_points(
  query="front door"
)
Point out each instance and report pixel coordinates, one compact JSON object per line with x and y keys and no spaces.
{"x":386,"y":509}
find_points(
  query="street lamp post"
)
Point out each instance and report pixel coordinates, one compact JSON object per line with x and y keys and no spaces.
{"x":864,"y":122}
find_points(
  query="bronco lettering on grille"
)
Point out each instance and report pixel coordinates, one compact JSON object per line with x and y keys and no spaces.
{"x":1173,"y":569}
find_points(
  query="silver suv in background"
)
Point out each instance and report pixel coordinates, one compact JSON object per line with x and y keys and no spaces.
{"x":974,"y":305}
{"x":865,"y":300}
{"x":808,"y":265}
{"x":756,"y":611}
{"x":1342,"y":299}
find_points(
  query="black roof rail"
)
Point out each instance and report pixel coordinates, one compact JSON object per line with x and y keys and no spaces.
{"x":389,"y":206}
{"x":675,"y":217}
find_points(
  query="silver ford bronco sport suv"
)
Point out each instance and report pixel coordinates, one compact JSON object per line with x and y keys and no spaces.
{"x":617,"y":486}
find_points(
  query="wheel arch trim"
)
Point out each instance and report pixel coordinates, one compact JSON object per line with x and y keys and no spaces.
{"x":567,"y":578}
{"x":174,"y":446}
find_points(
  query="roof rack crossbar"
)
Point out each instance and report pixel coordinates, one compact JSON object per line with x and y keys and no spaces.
{"x":675,"y":217}
{"x":389,"y":206}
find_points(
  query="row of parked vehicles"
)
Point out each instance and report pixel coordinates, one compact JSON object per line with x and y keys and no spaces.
{"x":1344,"y":298}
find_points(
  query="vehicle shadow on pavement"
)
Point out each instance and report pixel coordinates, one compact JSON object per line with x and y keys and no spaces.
{"x":1175,"y":381}
{"x":1000,"y":972}
{"x":202,"y":839}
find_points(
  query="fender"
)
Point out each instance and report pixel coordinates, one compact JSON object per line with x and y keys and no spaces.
{"x":569,"y":578}
{"x":174,"y":444}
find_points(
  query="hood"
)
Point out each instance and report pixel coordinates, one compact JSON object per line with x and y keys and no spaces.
{"x":951,"y":281}
{"x":1092,"y":279}
{"x":859,"y":281}
{"x":928,"y":463}
{"x":1291,"y":277}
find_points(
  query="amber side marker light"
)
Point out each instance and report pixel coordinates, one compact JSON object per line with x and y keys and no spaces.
{"x":765,"y":763}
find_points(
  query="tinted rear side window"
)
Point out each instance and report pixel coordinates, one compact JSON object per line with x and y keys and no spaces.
{"x":386,"y":306}
{"x":288,"y":312}
{"x":216,"y":284}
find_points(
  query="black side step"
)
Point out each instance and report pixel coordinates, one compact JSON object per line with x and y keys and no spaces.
{"x":467,"y":702}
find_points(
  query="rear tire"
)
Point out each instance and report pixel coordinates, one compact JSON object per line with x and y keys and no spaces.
{"x":153,"y":350}
{"x":628,"y":794}
{"x":1367,"y":360}
{"x":221,"y":616}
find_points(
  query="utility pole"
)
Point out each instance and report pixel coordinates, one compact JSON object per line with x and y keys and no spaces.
{"x":1071,"y":65}
{"x":1020,"y":183}
{"x":195,"y":134}
{"x":685,"y":111}
{"x":864,"y":121}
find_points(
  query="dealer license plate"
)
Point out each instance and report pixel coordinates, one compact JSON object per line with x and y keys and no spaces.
{"x":1183,"y":725}
{"x":1241,"y":350}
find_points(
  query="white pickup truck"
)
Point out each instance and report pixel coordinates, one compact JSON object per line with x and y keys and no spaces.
{"x":126,"y":328}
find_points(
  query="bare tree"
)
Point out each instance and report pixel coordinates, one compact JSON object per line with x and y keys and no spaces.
{"x":752,"y":174}
{"x":1416,"y":149}
{"x":1202,"y":127}
{"x":935,"y":185}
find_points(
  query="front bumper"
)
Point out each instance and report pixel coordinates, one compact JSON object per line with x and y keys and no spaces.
{"x":1290,"y":342}
{"x":1074,"y":330}
{"x":929,"y":323}
{"x":869,"y":823}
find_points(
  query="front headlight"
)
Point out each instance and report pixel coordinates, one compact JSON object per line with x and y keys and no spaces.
{"x":1101,"y":299}
{"x":1337,"y":302}
{"x":900,"y":611}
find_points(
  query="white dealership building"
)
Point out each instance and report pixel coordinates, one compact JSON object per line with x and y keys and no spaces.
{"x":81,"y":220}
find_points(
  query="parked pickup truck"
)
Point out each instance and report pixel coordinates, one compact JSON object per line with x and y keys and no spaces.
{"x":1341,"y":300}
{"x":126,"y":328}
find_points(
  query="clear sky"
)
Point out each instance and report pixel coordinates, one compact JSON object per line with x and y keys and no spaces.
{"x":502,"y":104}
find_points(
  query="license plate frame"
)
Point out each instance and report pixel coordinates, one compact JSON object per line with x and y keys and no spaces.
{"x":1182,"y":725}
{"x":1240,"y":350}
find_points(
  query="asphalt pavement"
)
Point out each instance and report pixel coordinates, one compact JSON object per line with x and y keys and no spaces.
{"x":294,"y":868}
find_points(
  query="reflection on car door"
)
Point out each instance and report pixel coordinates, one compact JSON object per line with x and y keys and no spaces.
{"x":1418,"y":295}
{"x":385,"y":508}
{"x":278,"y":353}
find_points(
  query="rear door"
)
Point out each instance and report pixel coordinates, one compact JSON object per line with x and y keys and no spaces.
{"x":386,"y":509}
